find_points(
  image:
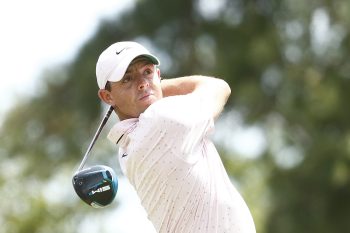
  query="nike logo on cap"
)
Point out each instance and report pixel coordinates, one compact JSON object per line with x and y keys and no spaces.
{"x":120,"y":51}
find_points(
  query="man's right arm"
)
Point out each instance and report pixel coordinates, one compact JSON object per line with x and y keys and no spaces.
{"x":212,"y":92}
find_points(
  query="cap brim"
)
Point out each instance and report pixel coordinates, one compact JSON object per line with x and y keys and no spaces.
{"x":120,"y":70}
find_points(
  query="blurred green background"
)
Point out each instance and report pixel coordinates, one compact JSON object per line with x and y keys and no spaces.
{"x":284,"y":136}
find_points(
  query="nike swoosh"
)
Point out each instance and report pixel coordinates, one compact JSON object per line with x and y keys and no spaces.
{"x":120,"y":51}
{"x":124,"y":155}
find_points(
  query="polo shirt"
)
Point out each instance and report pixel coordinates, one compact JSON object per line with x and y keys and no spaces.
{"x":169,"y":159}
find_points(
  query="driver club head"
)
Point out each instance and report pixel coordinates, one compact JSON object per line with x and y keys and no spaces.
{"x":96,"y":185}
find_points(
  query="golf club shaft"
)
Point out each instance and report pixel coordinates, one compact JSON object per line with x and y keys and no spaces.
{"x":103,"y":122}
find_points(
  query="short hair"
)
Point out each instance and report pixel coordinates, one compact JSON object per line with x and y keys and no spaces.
{"x":141,"y":58}
{"x":108,"y":86}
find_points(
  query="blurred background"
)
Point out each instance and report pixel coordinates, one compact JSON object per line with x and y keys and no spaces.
{"x":284,"y":136}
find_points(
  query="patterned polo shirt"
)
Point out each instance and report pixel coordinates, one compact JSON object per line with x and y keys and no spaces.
{"x":168,"y":157}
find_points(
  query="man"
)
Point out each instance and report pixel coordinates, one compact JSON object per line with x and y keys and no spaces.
{"x":164,"y":145}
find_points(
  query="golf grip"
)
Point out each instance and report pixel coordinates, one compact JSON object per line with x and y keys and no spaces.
{"x":99,"y":129}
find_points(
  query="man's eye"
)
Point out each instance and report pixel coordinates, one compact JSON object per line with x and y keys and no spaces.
{"x":148,"y":71}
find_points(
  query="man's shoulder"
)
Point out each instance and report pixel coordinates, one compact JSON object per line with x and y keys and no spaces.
{"x":174,"y":113}
{"x":170,"y":100}
{"x":169,"y":105}
{"x":163,"y":113}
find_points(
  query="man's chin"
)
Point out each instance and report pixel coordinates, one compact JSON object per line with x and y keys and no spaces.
{"x":146,"y":104}
{"x":148,"y":100}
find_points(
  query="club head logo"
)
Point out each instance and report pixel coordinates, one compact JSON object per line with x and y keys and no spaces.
{"x":100,"y":190}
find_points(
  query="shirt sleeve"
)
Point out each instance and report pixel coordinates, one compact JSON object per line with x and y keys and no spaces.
{"x":184,"y":122}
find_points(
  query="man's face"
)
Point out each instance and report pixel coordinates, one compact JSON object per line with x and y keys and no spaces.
{"x":139,"y":88}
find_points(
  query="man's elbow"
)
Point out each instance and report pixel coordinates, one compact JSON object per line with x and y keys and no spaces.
{"x":225,"y":88}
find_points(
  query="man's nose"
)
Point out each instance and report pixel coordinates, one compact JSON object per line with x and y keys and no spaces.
{"x":142,"y":83}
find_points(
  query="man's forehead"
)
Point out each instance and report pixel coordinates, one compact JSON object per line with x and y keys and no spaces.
{"x":141,"y":59}
{"x":138,"y":62}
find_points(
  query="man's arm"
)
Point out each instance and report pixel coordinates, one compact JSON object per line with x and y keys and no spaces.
{"x":212,"y":91}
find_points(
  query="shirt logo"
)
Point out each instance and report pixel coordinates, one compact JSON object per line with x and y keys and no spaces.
{"x":124,"y":155}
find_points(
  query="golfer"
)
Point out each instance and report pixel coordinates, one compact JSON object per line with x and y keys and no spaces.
{"x":164,"y":145}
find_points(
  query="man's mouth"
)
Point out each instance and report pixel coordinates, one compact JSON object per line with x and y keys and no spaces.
{"x":145,"y":96}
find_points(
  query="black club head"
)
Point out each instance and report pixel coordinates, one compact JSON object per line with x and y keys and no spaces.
{"x":96,"y":185}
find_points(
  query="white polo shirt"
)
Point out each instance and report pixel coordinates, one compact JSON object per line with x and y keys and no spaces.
{"x":176,"y":170}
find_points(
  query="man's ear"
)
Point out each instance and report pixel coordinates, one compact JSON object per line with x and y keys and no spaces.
{"x":105,"y":96}
{"x":158,"y":72}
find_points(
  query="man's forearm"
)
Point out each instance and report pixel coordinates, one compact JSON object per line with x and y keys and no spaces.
{"x":214,"y":92}
{"x":178,"y":86}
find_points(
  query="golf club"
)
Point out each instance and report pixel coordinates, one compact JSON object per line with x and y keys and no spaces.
{"x":96,"y":185}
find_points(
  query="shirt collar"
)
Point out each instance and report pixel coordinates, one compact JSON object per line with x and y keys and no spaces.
{"x":120,"y":130}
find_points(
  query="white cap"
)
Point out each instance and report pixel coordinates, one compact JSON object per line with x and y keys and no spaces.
{"x":114,"y":61}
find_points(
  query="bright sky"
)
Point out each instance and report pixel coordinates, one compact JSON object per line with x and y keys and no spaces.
{"x":39,"y":33}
